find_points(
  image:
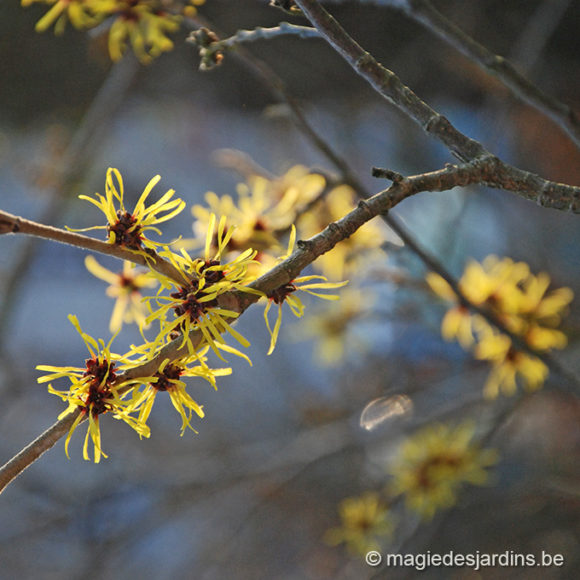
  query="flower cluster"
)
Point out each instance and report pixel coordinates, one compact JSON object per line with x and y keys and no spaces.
{"x":264,"y":210}
{"x":193,"y":312}
{"x":429,"y":470}
{"x":144,"y":24}
{"x":126,"y":228}
{"x":521,"y":302}
{"x":195,"y":301}
{"x":263,"y":213}
{"x":94,"y":390}
{"x":102,"y":387}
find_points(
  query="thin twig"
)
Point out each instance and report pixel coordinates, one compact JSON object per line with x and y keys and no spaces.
{"x":563,"y":115}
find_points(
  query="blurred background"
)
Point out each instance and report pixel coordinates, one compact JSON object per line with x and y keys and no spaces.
{"x":253,"y":493}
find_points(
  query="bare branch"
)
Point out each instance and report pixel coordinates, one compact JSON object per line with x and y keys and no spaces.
{"x":528,"y":185}
{"x":501,"y":68}
{"x":563,"y":115}
{"x":211,"y":48}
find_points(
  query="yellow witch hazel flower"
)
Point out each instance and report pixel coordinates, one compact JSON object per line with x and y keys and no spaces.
{"x":145,"y":25}
{"x":264,"y":210}
{"x":126,"y":287}
{"x":94,"y":390}
{"x":508,"y":365}
{"x":521,"y":302}
{"x":365,"y":520}
{"x":433,"y":464}
{"x":329,"y":327}
{"x":494,"y":283}
{"x":169,"y":379}
{"x":195,"y":304}
{"x":285,"y":294}
{"x":81,"y":13}
{"x":126,"y":228}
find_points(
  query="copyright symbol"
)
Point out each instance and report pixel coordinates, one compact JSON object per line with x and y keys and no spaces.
{"x":373,"y":558}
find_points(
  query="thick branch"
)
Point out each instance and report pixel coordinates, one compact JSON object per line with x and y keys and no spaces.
{"x":386,"y":83}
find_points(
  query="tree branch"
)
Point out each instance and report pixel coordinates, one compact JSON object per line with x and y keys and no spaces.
{"x":11,"y":224}
{"x":528,"y":185}
{"x":211,"y":48}
{"x":426,"y":14}
{"x":563,"y":115}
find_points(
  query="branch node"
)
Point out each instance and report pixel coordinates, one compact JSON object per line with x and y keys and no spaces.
{"x":305,"y":245}
{"x":363,"y":205}
{"x":10,"y":225}
{"x":381,"y":173}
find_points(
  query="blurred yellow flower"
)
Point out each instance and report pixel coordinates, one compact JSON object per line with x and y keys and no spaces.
{"x":508,"y":365}
{"x":433,"y":464}
{"x":144,"y":24}
{"x":521,"y":303}
{"x":262,"y":213}
{"x":126,"y":287}
{"x":329,"y":327}
{"x":365,"y":521}
{"x":80,"y":13}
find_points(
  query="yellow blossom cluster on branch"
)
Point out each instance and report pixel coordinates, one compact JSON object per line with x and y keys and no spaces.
{"x":266,"y":207}
{"x":521,"y":302}
{"x":191,"y":307}
{"x":145,"y":25}
{"x":264,"y":210}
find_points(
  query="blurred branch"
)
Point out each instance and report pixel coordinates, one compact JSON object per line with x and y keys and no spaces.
{"x":528,"y":185}
{"x":16,"y":225}
{"x":563,"y":115}
{"x":75,"y":161}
